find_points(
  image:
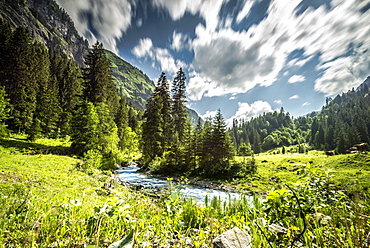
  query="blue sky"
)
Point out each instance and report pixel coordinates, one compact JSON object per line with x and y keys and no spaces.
{"x":244,"y":57}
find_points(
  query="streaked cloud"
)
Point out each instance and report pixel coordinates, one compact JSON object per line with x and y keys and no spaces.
{"x":178,"y":41}
{"x":109,"y":21}
{"x":162,"y":56}
{"x":305,"y":104}
{"x":296,"y":79}
{"x":294,"y":97}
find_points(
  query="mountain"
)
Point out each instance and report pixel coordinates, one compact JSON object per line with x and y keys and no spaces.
{"x":48,"y":23}
{"x":364,"y":85}
{"x":130,"y":81}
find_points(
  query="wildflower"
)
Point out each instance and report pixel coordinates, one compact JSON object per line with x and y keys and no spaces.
{"x":76,"y":202}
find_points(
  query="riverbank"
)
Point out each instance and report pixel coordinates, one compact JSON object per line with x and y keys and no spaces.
{"x":47,"y":202}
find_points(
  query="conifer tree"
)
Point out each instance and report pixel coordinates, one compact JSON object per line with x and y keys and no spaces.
{"x":122,"y":122}
{"x":98,"y":80}
{"x":20,"y":84}
{"x":179,"y":112}
{"x":48,"y":108}
{"x":4,"y":111}
{"x":152,"y":128}
{"x":68,"y":76}
{"x":222,"y":146}
{"x":85,"y":129}
{"x":164,"y":102}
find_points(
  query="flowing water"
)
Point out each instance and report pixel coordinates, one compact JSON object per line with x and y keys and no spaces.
{"x":132,"y":176}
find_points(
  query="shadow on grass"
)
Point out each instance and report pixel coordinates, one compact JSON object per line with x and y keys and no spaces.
{"x":30,"y":148}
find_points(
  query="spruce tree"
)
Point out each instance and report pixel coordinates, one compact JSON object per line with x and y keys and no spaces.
{"x":85,"y":129}
{"x":4,"y":111}
{"x":122,"y":122}
{"x":21,"y":84}
{"x":164,"y":101}
{"x":98,"y":80}
{"x":178,"y":110}
{"x":152,"y":129}
{"x":48,"y":108}
{"x":222,"y":147}
{"x":68,"y":76}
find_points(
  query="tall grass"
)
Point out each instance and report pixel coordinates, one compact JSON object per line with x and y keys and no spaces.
{"x":46,"y":202}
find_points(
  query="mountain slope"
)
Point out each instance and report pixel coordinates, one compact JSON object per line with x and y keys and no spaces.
{"x":48,"y":23}
{"x":130,"y":81}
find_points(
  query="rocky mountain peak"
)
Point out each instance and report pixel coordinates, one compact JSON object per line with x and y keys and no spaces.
{"x":48,"y":23}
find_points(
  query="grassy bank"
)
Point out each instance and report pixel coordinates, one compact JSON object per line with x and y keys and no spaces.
{"x":47,"y":202}
{"x":351,"y":172}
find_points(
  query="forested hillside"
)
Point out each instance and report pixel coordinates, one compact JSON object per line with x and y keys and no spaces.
{"x":268,"y":131}
{"x":343,"y":122}
{"x":131,"y":82}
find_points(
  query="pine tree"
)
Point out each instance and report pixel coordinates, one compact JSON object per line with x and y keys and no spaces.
{"x":152,"y":127}
{"x":20,"y":84}
{"x":179,"y":111}
{"x":68,"y":76}
{"x":164,"y":101}
{"x":85,"y":126}
{"x":48,"y":108}
{"x":122,"y":122}
{"x":256,"y":143}
{"x":98,"y":80}
{"x":4,"y":111}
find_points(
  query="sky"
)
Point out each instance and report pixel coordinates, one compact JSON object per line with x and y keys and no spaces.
{"x":244,"y":57}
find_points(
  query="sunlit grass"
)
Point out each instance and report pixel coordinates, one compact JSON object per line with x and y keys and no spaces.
{"x":47,"y":202}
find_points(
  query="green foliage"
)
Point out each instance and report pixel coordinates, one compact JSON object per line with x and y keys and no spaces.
{"x":98,"y":80}
{"x":92,"y":159}
{"x":342,"y":123}
{"x":269,"y":131}
{"x":131,"y":82}
{"x":68,"y":208}
{"x":4,"y":111}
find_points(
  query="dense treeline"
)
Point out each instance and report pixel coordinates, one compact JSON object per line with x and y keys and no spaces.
{"x":44,"y":94}
{"x":343,"y":122}
{"x":171,"y":144}
{"x":267,"y":131}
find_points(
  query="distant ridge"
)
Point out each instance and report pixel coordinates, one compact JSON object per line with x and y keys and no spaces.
{"x":131,"y":81}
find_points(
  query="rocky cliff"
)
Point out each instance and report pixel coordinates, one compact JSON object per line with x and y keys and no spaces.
{"x":48,"y":23}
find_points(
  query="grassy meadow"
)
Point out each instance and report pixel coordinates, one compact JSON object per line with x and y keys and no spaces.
{"x":349,"y":172}
{"x":46,"y":201}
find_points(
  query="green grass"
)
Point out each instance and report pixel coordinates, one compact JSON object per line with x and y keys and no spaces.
{"x":47,"y":202}
{"x":351,"y":170}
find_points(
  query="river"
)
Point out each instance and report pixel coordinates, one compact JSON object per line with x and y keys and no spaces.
{"x":132,"y":176}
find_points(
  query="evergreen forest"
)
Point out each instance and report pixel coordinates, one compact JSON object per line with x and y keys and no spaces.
{"x":64,"y":127}
{"x":45,"y":94}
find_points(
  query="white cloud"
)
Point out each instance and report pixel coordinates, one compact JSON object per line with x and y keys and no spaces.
{"x":178,"y":41}
{"x":237,"y":61}
{"x":208,"y":9}
{"x":305,"y":104}
{"x":299,"y":62}
{"x":247,"y":111}
{"x":278,"y":101}
{"x":296,"y":79}
{"x":294,"y":97}
{"x":245,"y":11}
{"x":109,"y":20}
{"x":144,"y":48}
{"x":163,"y":57}
{"x":209,"y":114}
